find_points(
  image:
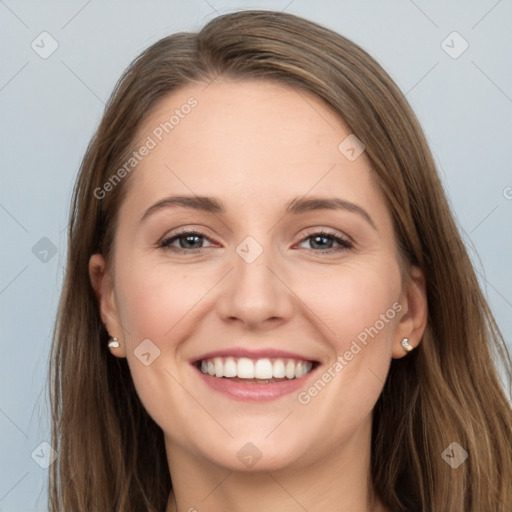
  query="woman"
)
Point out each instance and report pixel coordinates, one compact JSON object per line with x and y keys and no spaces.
{"x":267,"y":301}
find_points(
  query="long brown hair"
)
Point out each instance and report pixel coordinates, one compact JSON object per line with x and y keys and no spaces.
{"x":111,"y":453}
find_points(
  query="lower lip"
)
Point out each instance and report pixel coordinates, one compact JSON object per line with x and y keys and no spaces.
{"x":252,"y":391}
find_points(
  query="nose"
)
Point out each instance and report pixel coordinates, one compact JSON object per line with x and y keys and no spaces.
{"x":255,"y":294}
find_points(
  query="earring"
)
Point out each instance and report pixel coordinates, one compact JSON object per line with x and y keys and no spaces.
{"x":113,"y":343}
{"x":406,"y":345}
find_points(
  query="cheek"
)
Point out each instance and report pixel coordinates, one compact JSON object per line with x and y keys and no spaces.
{"x":155,"y":303}
{"x":361,"y":310}
{"x":153,"y":300}
{"x":356,"y":302}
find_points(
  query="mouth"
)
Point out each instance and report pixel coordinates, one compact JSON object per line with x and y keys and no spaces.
{"x":255,"y":371}
{"x":254,"y":376}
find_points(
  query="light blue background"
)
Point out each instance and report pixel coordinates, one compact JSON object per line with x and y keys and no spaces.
{"x":50,"y":107}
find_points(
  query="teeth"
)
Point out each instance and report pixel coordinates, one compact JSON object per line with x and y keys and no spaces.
{"x":290,"y":370}
{"x":245,"y":368}
{"x":229,"y":367}
{"x":262,"y":370}
{"x":219,"y":369}
{"x":278,"y":370}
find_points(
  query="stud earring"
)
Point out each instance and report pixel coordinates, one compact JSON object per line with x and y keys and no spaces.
{"x":113,"y":343}
{"x":406,"y":345}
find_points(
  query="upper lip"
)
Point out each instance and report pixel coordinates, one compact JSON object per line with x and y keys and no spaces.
{"x":261,"y":353}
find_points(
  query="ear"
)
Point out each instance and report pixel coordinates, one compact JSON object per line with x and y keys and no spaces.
{"x":413,"y":321}
{"x":103,"y":287}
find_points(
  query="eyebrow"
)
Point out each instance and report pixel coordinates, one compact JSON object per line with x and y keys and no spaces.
{"x":296,"y":206}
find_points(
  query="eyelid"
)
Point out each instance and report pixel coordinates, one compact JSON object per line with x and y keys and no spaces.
{"x":344,"y":241}
{"x":165,"y":241}
{"x":328,"y":231}
{"x":185,"y":230}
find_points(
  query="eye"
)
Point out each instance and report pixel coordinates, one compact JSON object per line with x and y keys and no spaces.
{"x":188,"y":241}
{"x":324,"y":240}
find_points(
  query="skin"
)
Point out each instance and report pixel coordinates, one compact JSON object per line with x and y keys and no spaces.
{"x":255,"y":146}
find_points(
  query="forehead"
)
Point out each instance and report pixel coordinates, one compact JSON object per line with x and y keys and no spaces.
{"x":253,"y":140}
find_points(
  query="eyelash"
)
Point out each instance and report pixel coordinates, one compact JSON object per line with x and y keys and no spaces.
{"x":344,"y":243}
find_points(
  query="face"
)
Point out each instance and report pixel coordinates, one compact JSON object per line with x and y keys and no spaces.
{"x":278,"y":260}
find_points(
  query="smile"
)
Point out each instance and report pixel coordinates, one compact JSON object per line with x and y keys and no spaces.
{"x":261,"y":371}
{"x":254,"y":375}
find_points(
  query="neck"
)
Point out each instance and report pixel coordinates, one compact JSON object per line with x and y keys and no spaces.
{"x":338,"y":481}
